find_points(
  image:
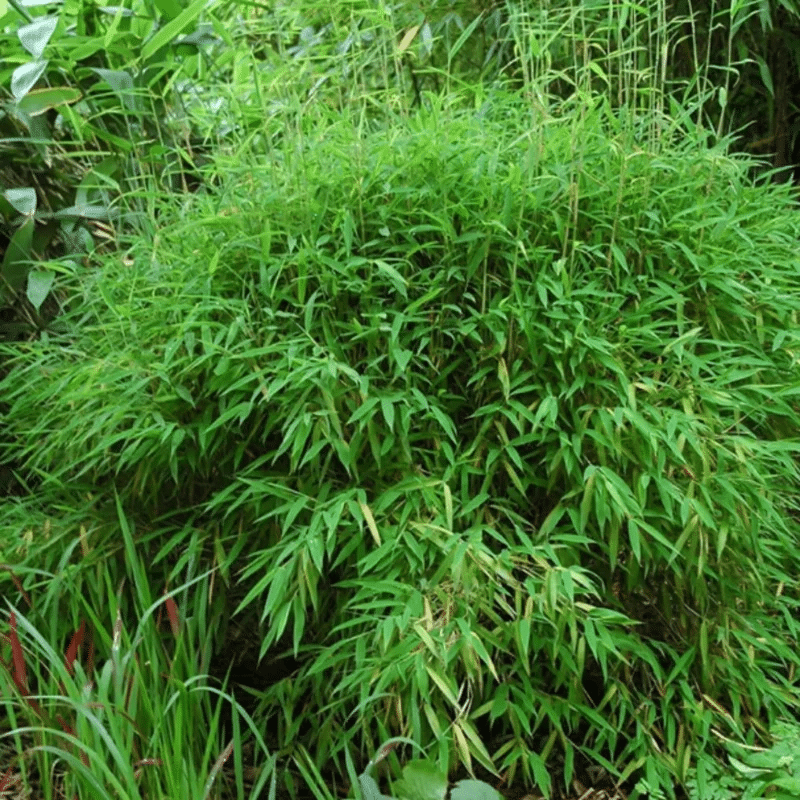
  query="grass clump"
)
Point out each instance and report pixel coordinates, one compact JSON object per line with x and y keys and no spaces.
{"x":485,"y":428}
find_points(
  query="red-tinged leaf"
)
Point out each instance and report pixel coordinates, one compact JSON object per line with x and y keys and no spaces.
{"x":18,"y":584}
{"x":65,"y":725}
{"x":90,"y":657}
{"x":172,"y":613}
{"x":8,"y":781}
{"x":18,"y":658}
{"x":74,"y":646}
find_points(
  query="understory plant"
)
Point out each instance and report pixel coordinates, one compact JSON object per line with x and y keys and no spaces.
{"x":112,"y":715}
{"x":483,"y":422}
{"x":421,"y":780}
{"x":94,"y":122}
{"x":753,"y":772}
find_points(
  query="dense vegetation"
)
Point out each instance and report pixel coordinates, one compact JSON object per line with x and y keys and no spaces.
{"x":369,"y":375}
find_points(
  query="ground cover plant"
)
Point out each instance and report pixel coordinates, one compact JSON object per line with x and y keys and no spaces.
{"x":118,"y":729}
{"x":485,"y":429}
{"x":421,"y":780}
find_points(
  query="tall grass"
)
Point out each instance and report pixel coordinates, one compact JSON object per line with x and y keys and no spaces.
{"x":125,"y":710}
{"x":475,"y":408}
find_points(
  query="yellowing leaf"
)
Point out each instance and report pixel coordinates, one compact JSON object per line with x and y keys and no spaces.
{"x":407,"y":39}
{"x":373,"y":528}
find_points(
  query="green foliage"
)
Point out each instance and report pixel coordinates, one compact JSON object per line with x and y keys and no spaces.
{"x":422,"y":780}
{"x":756,"y":772}
{"x":86,"y":118}
{"x":112,"y":729}
{"x":476,"y":408}
{"x":487,"y":429}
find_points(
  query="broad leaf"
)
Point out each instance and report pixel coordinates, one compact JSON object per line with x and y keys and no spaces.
{"x":422,"y":780}
{"x":24,"y":78}
{"x":474,"y":790}
{"x":39,"y":284}
{"x":41,"y":100}
{"x":23,"y":200}
{"x":36,"y":35}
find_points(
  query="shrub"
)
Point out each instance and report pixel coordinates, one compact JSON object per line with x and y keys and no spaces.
{"x":486,"y":423}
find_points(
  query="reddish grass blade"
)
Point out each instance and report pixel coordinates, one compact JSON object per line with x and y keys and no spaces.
{"x":74,"y":645}
{"x":17,"y":584}
{"x":20,"y":674}
{"x":172,"y":613}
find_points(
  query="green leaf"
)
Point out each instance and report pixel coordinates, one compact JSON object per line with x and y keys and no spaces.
{"x":394,"y":276}
{"x":18,"y":257}
{"x":766,"y":75}
{"x":540,"y":773}
{"x":39,"y":284}
{"x":682,"y":665}
{"x":24,"y":78}
{"x":369,"y":788}
{"x":121,"y":83}
{"x":402,"y":357}
{"x":23,"y":200}
{"x":35,"y":36}
{"x":40,"y":100}
{"x":387,"y":407}
{"x":169,"y":8}
{"x":502,"y":374}
{"x":445,"y":422}
{"x":465,"y":34}
{"x":469,"y":789}
{"x":168,"y":32}
{"x":87,"y":211}
{"x":422,"y":780}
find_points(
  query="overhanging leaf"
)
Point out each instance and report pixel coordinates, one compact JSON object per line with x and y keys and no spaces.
{"x":23,"y":200}
{"x":35,"y":36}
{"x":24,"y":78}
{"x":39,"y":284}
{"x":41,"y":100}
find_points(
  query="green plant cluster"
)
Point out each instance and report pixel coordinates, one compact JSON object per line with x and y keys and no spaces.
{"x":461,"y":405}
{"x":754,"y":772}
{"x":89,"y":112}
{"x":103,"y":107}
{"x":111,"y":726}
{"x":422,"y":780}
{"x":490,"y":428}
